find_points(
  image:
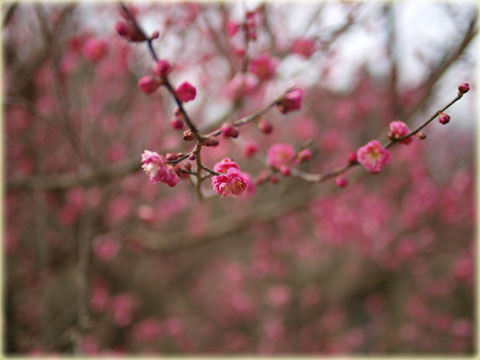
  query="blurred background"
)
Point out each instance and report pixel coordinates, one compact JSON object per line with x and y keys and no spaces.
{"x":99,"y":261}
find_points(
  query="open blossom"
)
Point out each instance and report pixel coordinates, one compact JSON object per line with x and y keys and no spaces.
{"x":280,"y":154}
{"x":263,"y":66}
{"x":291,"y":101}
{"x":224,"y":165}
{"x":157,"y":170}
{"x":232,"y":181}
{"x":373,"y":156}
{"x":304,"y":47}
{"x":399,"y":129}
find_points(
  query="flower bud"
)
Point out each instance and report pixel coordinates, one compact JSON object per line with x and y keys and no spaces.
{"x":341,"y":181}
{"x":188,"y":136}
{"x":463,"y":88}
{"x":421,"y":135}
{"x":171,"y":156}
{"x":181,"y":174}
{"x":304,"y":155}
{"x":162,"y":68}
{"x":229,"y":130}
{"x":148,"y":84}
{"x":443,"y":118}
{"x":155,"y":35}
{"x":352,"y":158}
{"x":192,"y":157}
{"x":177,"y":123}
{"x":121,"y":28}
{"x":211,"y":141}
{"x":285,"y":170}
{"x":265,"y":126}
{"x":186,"y":92}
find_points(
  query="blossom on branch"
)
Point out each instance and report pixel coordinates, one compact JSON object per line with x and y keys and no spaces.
{"x":157,"y":170}
{"x":148,"y":84}
{"x":231,"y":181}
{"x":373,"y":156}
{"x":291,"y":101}
{"x":186,"y":91}
{"x":399,"y":129}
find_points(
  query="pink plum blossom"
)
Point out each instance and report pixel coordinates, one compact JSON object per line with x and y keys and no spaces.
{"x":148,"y":84}
{"x":232,"y":181}
{"x":399,"y":129}
{"x":157,"y":170}
{"x":373,"y":156}
{"x":280,"y":154}
{"x":292,"y":101}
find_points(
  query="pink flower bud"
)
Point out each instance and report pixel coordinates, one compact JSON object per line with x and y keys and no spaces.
{"x":177,"y":123}
{"x":229,"y":130}
{"x":148,"y":84}
{"x":352,"y":158}
{"x":341,"y":181}
{"x":121,"y":28}
{"x":171,"y":156}
{"x":463,"y":88}
{"x":186,"y":92}
{"x":155,"y":35}
{"x":211,"y":141}
{"x":265,"y":126}
{"x":304,"y":155}
{"x":291,"y":101}
{"x":188,"y":135}
{"x":285,"y":170}
{"x":162,"y":68}
{"x":421,"y":135}
{"x":443,"y":118}
{"x":250,"y":149}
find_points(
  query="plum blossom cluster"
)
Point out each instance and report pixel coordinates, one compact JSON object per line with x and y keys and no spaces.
{"x":157,"y":170}
{"x":231,"y":180}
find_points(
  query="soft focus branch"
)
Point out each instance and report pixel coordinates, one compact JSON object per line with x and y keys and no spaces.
{"x":335,"y":172}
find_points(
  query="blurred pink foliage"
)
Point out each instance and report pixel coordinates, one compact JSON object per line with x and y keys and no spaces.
{"x":359,"y":264}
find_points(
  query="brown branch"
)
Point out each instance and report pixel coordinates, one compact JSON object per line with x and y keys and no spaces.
{"x":66,"y":181}
{"x":323,"y":177}
{"x":441,"y":68}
